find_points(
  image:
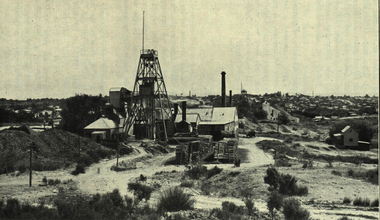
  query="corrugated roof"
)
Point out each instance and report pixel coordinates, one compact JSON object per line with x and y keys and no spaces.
{"x":102,"y":123}
{"x":205,"y":114}
{"x":224,"y":114}
{"x":191,"y":118}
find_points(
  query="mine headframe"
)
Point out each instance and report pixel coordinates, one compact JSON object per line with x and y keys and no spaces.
{"x":150,"y":110}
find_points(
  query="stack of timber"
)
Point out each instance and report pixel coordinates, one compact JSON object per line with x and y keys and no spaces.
{"x":225,"y":149}
{"x":194,"y":150}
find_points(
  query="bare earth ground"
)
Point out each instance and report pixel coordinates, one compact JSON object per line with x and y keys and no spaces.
{"x":324,"y":187}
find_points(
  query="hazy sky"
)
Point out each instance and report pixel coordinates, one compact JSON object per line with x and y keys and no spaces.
{"x":55,"y":49}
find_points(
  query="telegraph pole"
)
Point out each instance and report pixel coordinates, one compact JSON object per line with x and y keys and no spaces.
{"x":117,"y":150}
{"x":30,"y":163}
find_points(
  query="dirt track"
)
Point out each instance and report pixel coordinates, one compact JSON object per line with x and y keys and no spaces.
{"x":91,"y":182}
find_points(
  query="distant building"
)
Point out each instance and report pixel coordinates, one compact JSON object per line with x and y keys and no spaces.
{"x":348,"y":137}
{"x":272,"y":113}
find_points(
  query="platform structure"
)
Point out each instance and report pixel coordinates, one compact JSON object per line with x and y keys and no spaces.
{"x":150,"y":110}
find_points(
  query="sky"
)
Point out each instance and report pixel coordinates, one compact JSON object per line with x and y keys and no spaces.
{"x":56,"y":49}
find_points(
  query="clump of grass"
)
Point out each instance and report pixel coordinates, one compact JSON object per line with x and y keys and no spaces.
{"x":337,"y":173}
{"x":174,"y":199}
{"x":292,"y":210}
{"x":344,"y":218}
{"x":375,"y":203}
{"x":187,"y":184}
{"x":214,"y":171}
{"x":371,"y":176}
{"x":346,"y":200}
{"x":195,"y":172}
{"x":142,"y":178}
{"x":44,"y":180}
{"x":361,"y":202}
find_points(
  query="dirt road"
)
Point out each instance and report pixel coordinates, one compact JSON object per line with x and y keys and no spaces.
{"x":256,"y":156}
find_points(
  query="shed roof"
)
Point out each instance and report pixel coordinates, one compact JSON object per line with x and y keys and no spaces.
{"x":102,"y":123}
{"x":345,"y":129}
{"x":224,"y":114}
{"x":205,"y":114}
{"x":191,"y":118}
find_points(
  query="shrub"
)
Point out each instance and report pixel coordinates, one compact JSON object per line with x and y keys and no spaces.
{"x":12,"y":208}
{"x":174,"y":199}
{"x":249,"y":204}
{"x":140,"y":191}
{"x":237,"y":162}
{"x":337,"y":173}
{"x":346,"y":200}
{"x":288,"y":186}
{"x":57,"y":181}
{"x":350,"y":172}
{"x":44,"y":180}
{"x":361,"y":202}
{"x":302,"y":190}
{"x":229,"y":206}
{"x":274,"y":202}
{"x":344,"y":218}
{"x":196,"y":171}
{"x":372,"y":176}
{"x":22,"y":168}
{"x":272,"y":178}
{"x":86,"y":160}
{"x":288,"y":140}
{"x":80,"y":168}
{"x":142,"y":178}
{"x":375,"y":203}
{"x":293,"y":211}
{"x":51,"y":182}
{"x":94,"y":155}
{"x":214,"y":171}
{"x":187,"y":184}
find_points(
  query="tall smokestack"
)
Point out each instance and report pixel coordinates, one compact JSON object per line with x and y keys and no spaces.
{"x":184,"y":111}
{"x":230,"y":98}
{"x":223,"y":89}
{"x":175,"y":111}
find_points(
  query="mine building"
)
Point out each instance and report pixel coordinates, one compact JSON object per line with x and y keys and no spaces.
{"x":102,"y":129}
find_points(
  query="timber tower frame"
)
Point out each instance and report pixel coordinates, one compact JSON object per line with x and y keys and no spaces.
{"x":150,"y":110}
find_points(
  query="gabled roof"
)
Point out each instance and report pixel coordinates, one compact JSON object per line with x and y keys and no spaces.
{"x":191,"y":118}
{"x":102,"y":123}
{"x":205,"y":114}
{"x":224,"y":114}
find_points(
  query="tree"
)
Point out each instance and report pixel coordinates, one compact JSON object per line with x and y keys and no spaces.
{"x":272,"y":178}
{"x":274,"y":202}
{"x":361,"y":126}
{"x":260,"y":114}
{"x":80,"y":111}
{"x":283,"y":118}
